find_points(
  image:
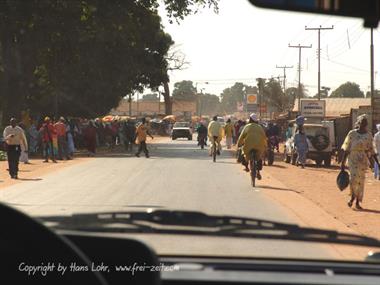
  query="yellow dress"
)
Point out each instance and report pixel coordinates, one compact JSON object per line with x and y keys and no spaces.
{"x":360,"y":147}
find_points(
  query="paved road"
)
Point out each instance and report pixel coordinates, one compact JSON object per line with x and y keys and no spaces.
{"x":177,"y":176}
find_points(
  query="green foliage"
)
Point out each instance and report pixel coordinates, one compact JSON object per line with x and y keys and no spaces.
{"x":82,"y":56}
{"x":150,"y":97}
{"x":348,"y":90}
{"x":209,"y":104}
{"x":234,"y":94}
{"x":184,"y":90}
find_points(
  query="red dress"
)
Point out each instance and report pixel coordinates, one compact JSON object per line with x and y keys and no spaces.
{"x":90,"y":138}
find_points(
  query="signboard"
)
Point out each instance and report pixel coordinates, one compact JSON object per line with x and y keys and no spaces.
{"x":251,"y":99}
{"x":313,"y":108}
{"x":252,"y":108}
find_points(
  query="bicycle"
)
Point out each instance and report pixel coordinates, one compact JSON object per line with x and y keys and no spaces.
{"x":213,"y":149}
{"x":253,"y":167}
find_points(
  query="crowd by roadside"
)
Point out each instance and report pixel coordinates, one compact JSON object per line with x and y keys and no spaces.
{"x":53,"y":140}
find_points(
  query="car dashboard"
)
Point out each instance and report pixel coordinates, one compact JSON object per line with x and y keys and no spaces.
{"x":103,"y":248}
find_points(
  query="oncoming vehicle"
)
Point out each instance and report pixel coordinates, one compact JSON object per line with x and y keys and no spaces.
{"x":182,"y":130}
{"x":320,"y":145}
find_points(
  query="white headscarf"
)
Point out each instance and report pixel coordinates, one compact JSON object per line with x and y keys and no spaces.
{"x":378,"y":127}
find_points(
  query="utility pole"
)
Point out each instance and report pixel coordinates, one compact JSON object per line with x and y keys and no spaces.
{"x":130,"y":104}
{"x":299,"y":71}
{"x":284,"y":68}
{"x":260,"y":83}
{"x":319,"y":53}
{"x":372,"y":81}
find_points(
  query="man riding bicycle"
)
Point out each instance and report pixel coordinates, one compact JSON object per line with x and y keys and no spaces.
{"x":215,"y":133}
{"x":253,"y":138}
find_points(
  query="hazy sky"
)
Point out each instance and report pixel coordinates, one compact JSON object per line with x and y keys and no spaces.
{"x":243,"y":42}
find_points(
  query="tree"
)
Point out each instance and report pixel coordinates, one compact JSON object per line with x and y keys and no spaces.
{"x":233,"y":95}
{"x":184,"y":90}
{"x":292,"y":95}
{"x":275,"y":96}
{"x":150,"y":97}
{"x":209,"y":104}
{"x":175,"y":61}
{"x":81,"y":57}
{"x":348,"y":90}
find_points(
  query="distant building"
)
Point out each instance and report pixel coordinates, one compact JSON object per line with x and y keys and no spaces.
{"x":153,"y":108}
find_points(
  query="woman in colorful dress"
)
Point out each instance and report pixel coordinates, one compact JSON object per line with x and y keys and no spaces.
{"x":358,"y":148}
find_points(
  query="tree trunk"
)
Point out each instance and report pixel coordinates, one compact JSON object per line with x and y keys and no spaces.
{"x":167,"y":99}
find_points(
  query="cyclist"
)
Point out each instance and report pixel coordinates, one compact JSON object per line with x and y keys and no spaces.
{"x":202,"y":133}
{"x":215,"y":133}
{"x":253,"y":138}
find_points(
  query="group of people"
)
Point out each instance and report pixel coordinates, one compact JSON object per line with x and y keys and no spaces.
{"x":59,"y":140}
{"x":249,"y":136}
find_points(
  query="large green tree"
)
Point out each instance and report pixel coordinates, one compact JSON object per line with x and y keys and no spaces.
{"x":82,"y":57}
{"x":185,"y":90}
{"x":348,"y":90}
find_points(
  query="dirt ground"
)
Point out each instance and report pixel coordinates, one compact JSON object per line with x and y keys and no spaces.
{"x":319,"y":186}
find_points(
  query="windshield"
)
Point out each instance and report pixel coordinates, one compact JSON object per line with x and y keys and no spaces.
{"x":95,"y":89}
{"x":181,"y":125}
{"x":316,"y":131}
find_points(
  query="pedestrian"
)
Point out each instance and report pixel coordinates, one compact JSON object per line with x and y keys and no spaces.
{"x":358,"y":148}
{"x":24,"y":157}
{"x":376,"y":144}
{"x":33,"y":138}
{"x":14,"y":137}
{"x":121,"y":133}
{"x":228,"y":131}
{"x":301,"y":145}
{"x":90,"y":138}
{"x":47,"y":132}
{"x":130,"y":135}
{"x":70,"y":129}
{"x":141,"y":133}
{"x":60,"y":127}
{"x":289,"y":131}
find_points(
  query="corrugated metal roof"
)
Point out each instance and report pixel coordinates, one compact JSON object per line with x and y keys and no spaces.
{"x":336,"y":107}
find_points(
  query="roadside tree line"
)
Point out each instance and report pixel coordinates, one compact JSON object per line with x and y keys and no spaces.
{"x":79,"y":58}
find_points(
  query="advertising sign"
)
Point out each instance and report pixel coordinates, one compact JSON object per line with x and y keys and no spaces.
{"x":313,"y":108}
{"x":252,"y":99}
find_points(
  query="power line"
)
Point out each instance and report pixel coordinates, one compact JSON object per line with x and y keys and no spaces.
{"x":299,"y":68}
{"x":319,"y":29}
{"x":284,"y":68}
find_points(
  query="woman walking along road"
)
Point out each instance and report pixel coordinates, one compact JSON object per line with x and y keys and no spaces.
{"x":358,"y":148}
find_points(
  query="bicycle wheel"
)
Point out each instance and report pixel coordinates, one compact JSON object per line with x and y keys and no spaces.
{"x":252,"y":165}
{"x":214,"y":152}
